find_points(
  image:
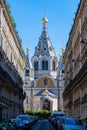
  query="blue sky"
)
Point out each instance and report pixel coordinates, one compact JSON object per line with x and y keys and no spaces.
{"x":29,"y":13}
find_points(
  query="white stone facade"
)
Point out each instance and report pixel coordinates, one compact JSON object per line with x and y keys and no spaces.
{"x":44,"y":90}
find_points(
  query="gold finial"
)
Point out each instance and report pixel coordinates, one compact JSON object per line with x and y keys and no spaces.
{"x":62,"y":49}
{"x":28,"y":49}
{"x":44,"y":20}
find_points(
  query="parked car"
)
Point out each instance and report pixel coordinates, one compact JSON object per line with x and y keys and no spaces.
{"x":17,"y":123}
{"x":26,"y":121}
{"x":68,"y":123}
{"x":56,"y":121}
{"x":54,"y":114}
{"x":57,"y":113}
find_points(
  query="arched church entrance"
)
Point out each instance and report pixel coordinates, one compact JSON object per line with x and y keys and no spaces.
{"x":46,"y":105}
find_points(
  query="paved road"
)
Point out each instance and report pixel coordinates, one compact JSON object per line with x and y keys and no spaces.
{"x":42,"y":125}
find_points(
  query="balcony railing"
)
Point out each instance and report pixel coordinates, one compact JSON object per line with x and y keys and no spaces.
{"x":84,"y":99}
{"x":8,"y":78}
{"x":77,"y":101}
{"x":78,"y":77}
{"x":11,"y":66}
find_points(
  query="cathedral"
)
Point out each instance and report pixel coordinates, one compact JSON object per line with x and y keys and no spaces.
{"x":43,"y":77}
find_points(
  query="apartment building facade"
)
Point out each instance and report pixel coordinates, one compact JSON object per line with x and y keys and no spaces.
{"x":75,"y":61}
{"x":11,"y":55}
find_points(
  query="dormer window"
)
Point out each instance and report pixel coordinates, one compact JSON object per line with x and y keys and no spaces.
{"x":27,"y":72}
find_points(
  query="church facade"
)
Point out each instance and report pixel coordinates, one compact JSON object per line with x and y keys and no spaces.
{"x":42,"y":76}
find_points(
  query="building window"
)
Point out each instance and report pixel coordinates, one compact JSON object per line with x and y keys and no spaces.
{"x":27,"y":72}
{"x":11,"y":57}
{"x":36,"y":65}
{"x":1,"y":41}
{"x":26,"y":99}
{"x":26,"y":83}
{"x":44,"y":65}
{"x":53,"y":65}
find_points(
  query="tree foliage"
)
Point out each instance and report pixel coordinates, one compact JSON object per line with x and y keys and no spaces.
{"x":42,"y":113}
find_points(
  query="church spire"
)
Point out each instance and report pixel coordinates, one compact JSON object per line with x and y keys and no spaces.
{"x":28,"y":61}
{"x":44,"y":47}
{"x":27,"y":56}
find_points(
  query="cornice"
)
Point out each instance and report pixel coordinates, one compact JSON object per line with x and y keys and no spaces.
{"x":76,"y":19}
{"x":6,"y":15}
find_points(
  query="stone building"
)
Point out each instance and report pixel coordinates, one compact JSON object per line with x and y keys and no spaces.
{"x":11,"y":73}
{"x":42,"y":84}
{"x":75,"y":62}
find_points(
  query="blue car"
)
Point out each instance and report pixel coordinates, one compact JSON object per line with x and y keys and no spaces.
{"x":71,"y":124}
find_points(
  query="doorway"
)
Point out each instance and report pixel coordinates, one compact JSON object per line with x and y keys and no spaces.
{"x":46,"y":105}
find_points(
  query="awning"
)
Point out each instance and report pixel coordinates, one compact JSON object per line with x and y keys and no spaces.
{"x":3,"y":105}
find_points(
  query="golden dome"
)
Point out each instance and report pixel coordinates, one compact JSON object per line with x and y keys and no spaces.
{"x":44,"y":20}
{"x":46,"y":92}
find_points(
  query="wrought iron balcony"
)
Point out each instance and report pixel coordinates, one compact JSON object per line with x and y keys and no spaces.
{"x":77,"y":101}
{"x":8,"y":78}
{"x":10,"y":65}
{"x":78,"y":77}
{"x":84,"y":99}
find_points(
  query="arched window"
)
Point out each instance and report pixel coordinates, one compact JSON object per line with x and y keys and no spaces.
{"x":36,"y":65}
{"x":44,"y":65}
{"x":53,"y":65}
{"x":27,"y":72}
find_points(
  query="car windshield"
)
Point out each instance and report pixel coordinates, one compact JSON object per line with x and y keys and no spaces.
{"x":54,"y":115}
{"x":58,"y":113}
{"x":25,"y":117}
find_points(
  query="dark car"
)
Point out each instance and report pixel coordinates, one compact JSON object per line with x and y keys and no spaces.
{"x":57,"y":121}
{"x":56,"y":114}
{"x":71,"y":124}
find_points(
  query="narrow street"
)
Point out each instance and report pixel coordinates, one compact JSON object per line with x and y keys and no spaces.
{"x":43,"y":125}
